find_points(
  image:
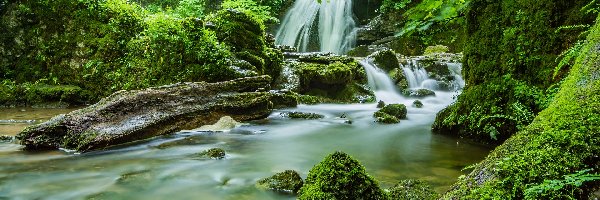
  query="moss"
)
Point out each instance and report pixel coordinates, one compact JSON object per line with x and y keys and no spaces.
{"x":435,"y":49}
{"x":412,"y":189}
{"x":339,"y":176}
{"x":215,"y":153}
{"x":561,"y":142}
{"x":301,"y":115}
{"x":510,"y":52}
{"x":419,"y":93}
{"x":397,"y":75}
{"x":391,"y":114}
{"x":386,"y":59}
{"x":288,"y":181}
{"x":417,"y":104}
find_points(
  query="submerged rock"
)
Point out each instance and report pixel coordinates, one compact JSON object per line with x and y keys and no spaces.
{"x":128,"y":116}
{"x":6,"y":138}
{"x":419,"y":93}
{"x":412,"y":189}
{"x":340,"y":176}
{"x":418,"y":104}
{"x":288,"y":181}
{"x":391,"y":113}
{"x":302,"y":115}
{"x":215,"y":153}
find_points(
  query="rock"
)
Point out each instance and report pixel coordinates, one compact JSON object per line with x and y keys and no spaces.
{"x":417,"y":104}
{"x":385,"y":118}
{"x":399,"y":78}
{"x":360,"y":51}
{"x":380,"y":104}
{"x":288,"y":181}
{"x":437,"y":49}
{"x":385,"y":59}
{"x":419,"y":93}
{"x":128,"y":116}
{"x":214,"y":153}
{"x":340,"y":176}
{"x":6,"y":138}
{"x":396,"y":110}
{"x":224,"y":124}
{"x":412,"y":189}
{"x":301,"y":115}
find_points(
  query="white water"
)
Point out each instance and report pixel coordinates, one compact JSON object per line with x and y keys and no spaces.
{"x":336,"y":26}
{"x":380,"y":83}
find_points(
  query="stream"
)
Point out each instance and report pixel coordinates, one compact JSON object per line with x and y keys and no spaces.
{"x":169,"y":167}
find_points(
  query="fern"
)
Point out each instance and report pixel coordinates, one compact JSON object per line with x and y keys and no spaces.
{"x":570,"y":182}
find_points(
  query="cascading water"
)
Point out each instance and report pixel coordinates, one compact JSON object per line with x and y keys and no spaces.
{"x":336,"y":26}
{"x":417,"y":76}
{"x":380,"y":83}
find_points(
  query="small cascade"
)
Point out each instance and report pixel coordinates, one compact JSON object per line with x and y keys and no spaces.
{"x":336,"y":26}
{"x":456,"y":70}
{"x":381,"y":83}
{"x":417,"y":76}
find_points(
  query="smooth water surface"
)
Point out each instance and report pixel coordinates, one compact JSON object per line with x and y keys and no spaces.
{"x":13,"y":120}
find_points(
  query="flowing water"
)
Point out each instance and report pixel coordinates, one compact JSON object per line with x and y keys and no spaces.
{"x":334,"y":21}
{"x":167,"y":167}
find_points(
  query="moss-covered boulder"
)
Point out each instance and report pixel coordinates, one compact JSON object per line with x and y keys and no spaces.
{"x":288,"y":181}
{"x":556,"y":156}
{"x":246,"y":37}
{"x":391,"y":113}
{"x":339,"y":176}
{"x":128,"y":116}
{"x":437,"y":49}
{"x":418,"y":93}
{"x":397,"y":75}
{"x":509,"y":61}
{"x":303,"y":115}
{"x":385,"y":59}
{"x":412,"y":190}
{"x":214,"y":153}
{"x":417,"y":104}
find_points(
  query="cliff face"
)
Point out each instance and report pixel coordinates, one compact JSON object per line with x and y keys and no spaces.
{"x":556,"y":155}
{"x":509,"y":59}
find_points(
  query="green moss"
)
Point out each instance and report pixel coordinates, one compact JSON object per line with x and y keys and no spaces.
{"x":288,"y":181}
{"x":418,"y":104}
{"x":412,"y":189}
{"x":510,"y":52}
{"x":301,"y":115}
{"x":435,"y":49}
{"x":561,"y":142}
{"x":215,"y":153}
{"x":391,"y":114}
{"x":386,"y":59}
{"x":340,"y":176}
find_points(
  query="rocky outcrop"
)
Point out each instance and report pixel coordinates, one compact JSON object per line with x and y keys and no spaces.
{"x":288,"y":181}
{"x":128,"y":116}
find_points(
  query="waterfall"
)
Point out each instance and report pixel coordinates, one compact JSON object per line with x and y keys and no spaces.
{"x":417,"y":76}
{"x":336,"y":26}
{"x":456,"y":71}
{"x":381,"y":83}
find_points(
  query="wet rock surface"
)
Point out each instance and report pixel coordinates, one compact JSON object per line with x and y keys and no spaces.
{"x":288,"y":181}
{"x":128,"y":116}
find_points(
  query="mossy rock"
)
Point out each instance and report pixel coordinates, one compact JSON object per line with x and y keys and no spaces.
{"x":385,"y":118}
{"x":7,"y":138}
{"x":418,"y":104}
{"x":385,"y":59}
{"x":359,"y":51}
{"x":412,"y":190}
{"x":391,"y":114}
{"x":437,"y":49}
{"x":380,"y":104}
{"x":418,"y":93}
{"x":302,"y":115}
{"x":339,"y":176}
{"x":288,"y":181}
{"x":399,"y":78}
{"x":214,"y":153}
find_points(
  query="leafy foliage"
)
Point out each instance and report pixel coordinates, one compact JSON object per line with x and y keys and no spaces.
{"x":552,"y":188}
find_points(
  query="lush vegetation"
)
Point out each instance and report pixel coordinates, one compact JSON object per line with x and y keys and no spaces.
{"x":511,"y":51}
{"x":556,"y":156}
{"x":96,"y":47}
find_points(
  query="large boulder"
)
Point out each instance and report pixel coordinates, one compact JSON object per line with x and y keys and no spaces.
{"x":340,"y":176}
{"x":385,"y":59}
{"x":128,"y":116}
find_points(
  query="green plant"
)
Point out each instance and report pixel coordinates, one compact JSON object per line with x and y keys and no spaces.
{"x":570,"y":183}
